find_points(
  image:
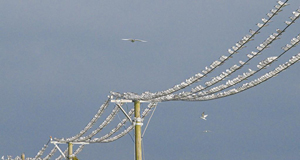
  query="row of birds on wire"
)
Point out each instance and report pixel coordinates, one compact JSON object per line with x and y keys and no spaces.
{"x":197,"y":93}
{"x":200,"y":93}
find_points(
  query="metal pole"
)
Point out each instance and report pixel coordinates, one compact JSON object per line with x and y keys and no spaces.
{"x":138,"y":126}
{"x":70,"y":151}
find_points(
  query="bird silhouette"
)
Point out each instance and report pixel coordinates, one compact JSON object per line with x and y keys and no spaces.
{"x":133,"y":40}
{"x":203,"y":116}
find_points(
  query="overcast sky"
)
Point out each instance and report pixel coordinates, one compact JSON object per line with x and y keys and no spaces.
{"x":59,"y":60}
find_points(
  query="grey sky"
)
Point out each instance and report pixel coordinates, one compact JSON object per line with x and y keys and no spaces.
{"x":59,"y":61}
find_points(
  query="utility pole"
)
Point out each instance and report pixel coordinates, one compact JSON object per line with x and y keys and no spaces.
{"x":137,"y":122}
{"x":23,"y":156}
{"x":138,"y":125}
{"x":70,"y":150}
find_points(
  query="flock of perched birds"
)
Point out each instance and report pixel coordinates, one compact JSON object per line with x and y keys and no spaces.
{"x":203,"y":116}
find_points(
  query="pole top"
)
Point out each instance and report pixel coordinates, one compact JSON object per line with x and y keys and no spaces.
{"x":57,"y":142}
{"x":127,"y":101}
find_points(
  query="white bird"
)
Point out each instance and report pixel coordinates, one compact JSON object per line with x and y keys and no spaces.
{"x":288,"y":22}
{"x":282,"y":3}
{"x":235,"y":48}
{"x":230,"y":51}
{"x":253,"y":32}
{"x":269,"y":15}
{"x":241,"y":62}
{"x":133,"y":40}
{"x":259,"y":25}
{"x":264,"y":20}
{"x":277,"y":6}
{"x":203,"y":116}
{"x":206,"y":131}
{"x":296,"y":13}
{"x":278,"y":30}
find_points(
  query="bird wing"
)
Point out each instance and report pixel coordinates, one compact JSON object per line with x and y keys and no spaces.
{"x":126,"y":39}
{"x":140,"y":40}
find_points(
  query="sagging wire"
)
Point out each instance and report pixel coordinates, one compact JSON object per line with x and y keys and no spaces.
{"x":125,"y":127}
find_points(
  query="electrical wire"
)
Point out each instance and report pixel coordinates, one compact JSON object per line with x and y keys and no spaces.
{"x":148,"y":122}
{"x":202,"y":93}
{"x":125,"y":128}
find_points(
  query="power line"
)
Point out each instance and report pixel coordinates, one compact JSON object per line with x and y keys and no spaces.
{"x":198,"y":92}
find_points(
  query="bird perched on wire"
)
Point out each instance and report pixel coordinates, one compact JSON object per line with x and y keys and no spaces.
{"x":203,"y":116}
{"x":133,"y":40}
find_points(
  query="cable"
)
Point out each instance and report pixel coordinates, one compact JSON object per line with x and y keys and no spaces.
{"x":143,"y":149}
{"x":148,"y":122}
{"x":194,"y":79}
{"x":125,"y":128}
{"x":168,"y":95}
{"x":253,"y":83}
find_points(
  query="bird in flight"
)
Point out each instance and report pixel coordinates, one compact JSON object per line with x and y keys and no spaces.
{"x":206,"y":131}
{"x":133,"y":40}
{"x":203,"y":116}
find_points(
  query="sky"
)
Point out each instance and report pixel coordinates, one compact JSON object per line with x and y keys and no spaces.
{"x":59,"y":60}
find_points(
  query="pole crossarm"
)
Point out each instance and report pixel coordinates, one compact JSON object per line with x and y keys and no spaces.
{"x":118,"y":101}
{"x":69,"y":143}
{"x":127,"y":101}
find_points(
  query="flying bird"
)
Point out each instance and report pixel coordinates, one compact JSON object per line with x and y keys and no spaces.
{"x":206,"y":131}
{"x":133,"y":40}
{"x":203,"y":116}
